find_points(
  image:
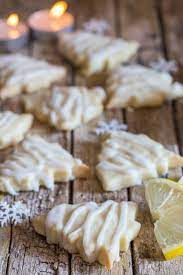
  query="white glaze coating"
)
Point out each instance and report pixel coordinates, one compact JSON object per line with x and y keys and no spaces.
{"x":19,"y":73}
{"x":13,"y":127}
{"x":94,"y":53}
{"x":66,"y":108}
{"x":126,"y":159}
{"x":37,"y":162}
{"x":98,"y":232}
{"x":138,"y":86}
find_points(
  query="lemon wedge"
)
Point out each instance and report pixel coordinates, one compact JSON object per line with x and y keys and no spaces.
{"x":169,"y":232}
{"x":165,"y":200}
{"x":162,"y":194}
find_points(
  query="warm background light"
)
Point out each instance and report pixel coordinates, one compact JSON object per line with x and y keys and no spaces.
{"x":58,"y":9}
{"x":46,"y":23}
{"x":13,"y":20}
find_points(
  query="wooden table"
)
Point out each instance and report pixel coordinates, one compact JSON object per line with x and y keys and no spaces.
{"x":157,"y":25}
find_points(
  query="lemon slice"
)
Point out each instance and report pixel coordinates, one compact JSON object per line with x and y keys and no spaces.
{"x":162,"y":194}
{"x":169,"y":232}
{"x":165,"y":200}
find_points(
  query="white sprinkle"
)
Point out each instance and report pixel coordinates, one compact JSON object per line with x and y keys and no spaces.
{"x":96,"y":26}
{"x":162,"y":65}
{"x":104,"y":127}
{"x":13,"y":214}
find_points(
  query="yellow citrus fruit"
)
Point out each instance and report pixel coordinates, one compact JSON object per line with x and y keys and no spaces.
{"x":169,"y":232}
{"x":162,"y":194}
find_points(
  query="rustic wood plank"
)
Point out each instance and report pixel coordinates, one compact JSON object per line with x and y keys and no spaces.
{"x":171,"y":24}
{"x":137,"y":22}
{"x":86,"y":147}
{"x":5,"y":235}
{"x":27,"y":256}
{"x":147,"y":255}
{"x":5,"y":238}
{"x":29,"y":253}
{"x":140,"y":22}
{"x":171,"y":14}
{"x":6,"y":232}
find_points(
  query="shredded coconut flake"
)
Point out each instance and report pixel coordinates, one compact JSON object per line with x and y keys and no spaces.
{"x":163,"y":65}
{"x":13,"y":213}
{"x":104,"y":127}
{"x":96,"y":26}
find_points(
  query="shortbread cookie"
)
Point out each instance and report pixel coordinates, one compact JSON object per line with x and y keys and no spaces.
{"x":126,"y":159}
{"x":98,"y":232}
{"x":13,"y":127}
{"x":37,"y":162}
{"x":138,"y":86}
{"x":94,"y":53}
{"x":66,"y":108}
{"x":19,"y":73}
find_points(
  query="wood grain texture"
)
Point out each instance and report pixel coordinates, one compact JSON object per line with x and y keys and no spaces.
{"x":141,"y":22}
{"x":86,"y":147}
{"x":28,"y":252}
{"x":24,"y":252}
{"x":171,"y":14}
{"x":6,"y":233}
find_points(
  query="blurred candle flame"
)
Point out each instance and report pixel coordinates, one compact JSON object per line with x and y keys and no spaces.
{"x":13,"y":34}
{"x":13,"y":20}
{"x":58,"y":9}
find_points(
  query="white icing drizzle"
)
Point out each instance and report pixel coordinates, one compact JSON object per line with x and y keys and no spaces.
{"x":90,"y":229}
{"x":22,"y":73}
{"x":67,"y":107}
{"x":137,"y":86}
{"x":36,"y":162}
{"x":94,"y":52}
{"x":126,"y":159}
{"x":13,"y":127}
